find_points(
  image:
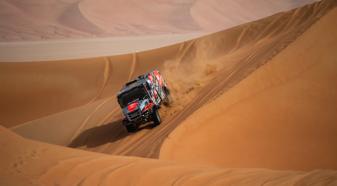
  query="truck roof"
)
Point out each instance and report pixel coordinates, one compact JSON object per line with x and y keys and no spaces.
{"x":140,"y":81}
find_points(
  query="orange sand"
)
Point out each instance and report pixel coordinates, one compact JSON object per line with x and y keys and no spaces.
{"x":256,"y":97}
{"x":283,"y":116}
{"x":34,"y":163}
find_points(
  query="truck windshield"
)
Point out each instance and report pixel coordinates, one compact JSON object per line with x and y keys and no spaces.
{"x":134,"y":94}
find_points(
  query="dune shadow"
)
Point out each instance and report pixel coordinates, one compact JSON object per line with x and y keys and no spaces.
{"x":103,"y":134}
{"x":100,"y":135}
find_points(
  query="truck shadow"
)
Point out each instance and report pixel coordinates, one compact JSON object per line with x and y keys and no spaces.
{"x":100,"y":135}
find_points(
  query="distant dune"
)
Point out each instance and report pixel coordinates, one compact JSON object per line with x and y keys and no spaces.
{"x":28,"y":51}
{"x":34,"y":20}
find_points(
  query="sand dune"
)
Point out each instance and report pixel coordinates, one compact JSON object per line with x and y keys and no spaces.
{"x":56,"y":30}
{"x":218,"y":14}
{"x":34,"y":20}
{"x":33,"y":163}
{"x":81,"y":108}
{"x":283,"y":116}
{"x":54,"y":19}
{"x":255,"y":97}
{"x":86,"y":48}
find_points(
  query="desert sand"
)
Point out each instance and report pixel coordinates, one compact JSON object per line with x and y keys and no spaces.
{"x":36,"y":20}
{"x":57,"y":30}
{"x":66,"y":49}
{"x":283,"y":116}
{"x":35,"y":163}
{"x":253,"y":105}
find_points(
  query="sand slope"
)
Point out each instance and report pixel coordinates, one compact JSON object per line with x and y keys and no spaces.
{"x":218,"y":14}
{"x":257,"y":97}
{"x":283,"y":116}
{"x":53,"y":19}
{"x":80,"y":108}
{"x":36,"y":20}
{"x":26,"y":51}
{"x":26,"y":162}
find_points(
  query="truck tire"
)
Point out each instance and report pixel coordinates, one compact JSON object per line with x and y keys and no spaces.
{"x":168,"y":100}
{"x":131,"y":127}
{"x":156,"y":117}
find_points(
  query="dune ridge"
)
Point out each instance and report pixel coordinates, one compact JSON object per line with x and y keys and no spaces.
{"x":34,"y":163}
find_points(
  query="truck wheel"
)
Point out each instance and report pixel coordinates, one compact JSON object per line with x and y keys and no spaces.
{"x":168,"y":100}
{"x":131,"y":127}
{"x":156,"y":117}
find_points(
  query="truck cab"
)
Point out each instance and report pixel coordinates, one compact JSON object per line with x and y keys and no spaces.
{"x":141,"y":98}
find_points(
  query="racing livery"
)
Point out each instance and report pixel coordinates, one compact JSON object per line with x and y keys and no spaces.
{"x":141,"y":98}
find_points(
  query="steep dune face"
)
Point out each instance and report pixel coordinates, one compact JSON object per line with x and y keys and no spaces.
{"x":283,"y":116}
{"x":55,"y":19}
{"x":26,"y":162}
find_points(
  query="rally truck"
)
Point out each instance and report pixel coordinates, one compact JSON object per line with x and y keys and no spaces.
{"x":141,"y":98}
